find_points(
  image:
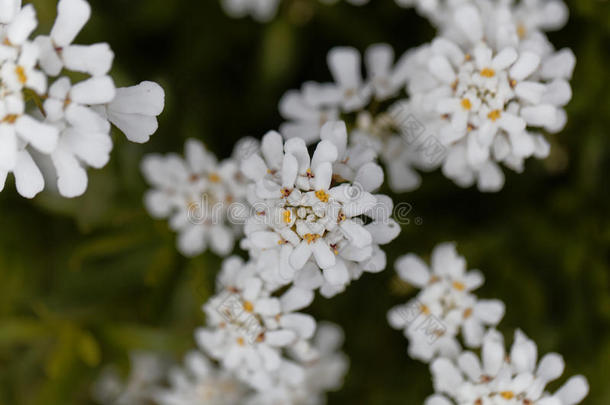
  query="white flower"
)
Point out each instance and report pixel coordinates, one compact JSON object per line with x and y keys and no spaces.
{"x":324,"y":366}
{"x":197,"y":194}
{"x":260,"y":10}
{"x":491,"y":96}
{"x":134,"y":110}
{"x":501,"y":380}
{"x":71,"y":130}
{"x":200,"y":382}
{"x":445,"y":307}
{"x":307,"y":212}
{"x":248,"y":330}
{"x":147,"y":372}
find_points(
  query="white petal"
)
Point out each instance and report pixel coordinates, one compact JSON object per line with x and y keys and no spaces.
{"x":527,"y":63}
{"x":72,"y":15}
{"x":41,"y":136}
{"x":71,"y":176}
{"x":93,"y":59}
{"x":304,"y":325}
{"x":413,"y":270}
{"x":96,"y":90}
{"x":574,"y":391}
{"x":28,"y":177}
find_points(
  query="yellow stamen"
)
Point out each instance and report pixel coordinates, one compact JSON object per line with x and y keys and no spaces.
{"x":468,"y":313}
{"x":309,"y":173}
{"x":322,"y":195}
{"x":241,"y":341}
{"x":11,"y":118}
{"x":468,"y":56}
{"x":248,"y":306}
{"x":287,"y":217}
{"x":21,"y":75}
{"x":425,"y":310}
{"x":311,"y":237}
{"x":466,"y":104}
{"x":521,"y":31}
{"x":286,"y":192}
{"x":488,"y":72}
{"x":341,"y":217}
{"x":459,"y":286}
{"x":507,"y":394}
{"x":214,"y":177}
{"x":494,"y":115}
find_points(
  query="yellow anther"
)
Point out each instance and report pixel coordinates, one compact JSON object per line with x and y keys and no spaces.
{"x":466,"y":104}
{"x":21,"y":76}
{"x":494,"y":115}
{"x":425,"y":310}
{"x":214,"y":178}
{"x":488,"y":72}
{"x":286,"y":192}
{"x":311,"y":237}
{"x":459,"y":286}
{"x":11,"y":118}
{"x":322,"y":195}
{"x":287,"y":216}
{"x":468,"y":313}
{"x":521,"y":31}
{"x":241,"y":341}
{"x":248,"y":306}
{"x":507,"y":394}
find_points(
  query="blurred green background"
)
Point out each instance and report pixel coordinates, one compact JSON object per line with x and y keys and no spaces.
{"x":85,"y":281}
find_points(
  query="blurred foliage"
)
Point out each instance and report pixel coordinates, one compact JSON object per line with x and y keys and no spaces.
{"x":83,"y":282}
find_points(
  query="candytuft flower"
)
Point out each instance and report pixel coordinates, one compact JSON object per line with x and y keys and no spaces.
{"x":70,"y":130}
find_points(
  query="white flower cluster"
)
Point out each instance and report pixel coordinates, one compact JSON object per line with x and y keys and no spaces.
{"x":265,"y":10}
{"x":445,"y":313}
{"x":315,"y":218}
{"x":482,"y":93}
{"x":445,"y":307}
{"x":48,"y":121}
{"x":197,"y":194}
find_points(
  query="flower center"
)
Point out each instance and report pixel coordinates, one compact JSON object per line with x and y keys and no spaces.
{"x":488,"y":72}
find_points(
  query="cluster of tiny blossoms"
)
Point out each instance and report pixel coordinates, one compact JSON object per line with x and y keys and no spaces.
{"x":446,"y":314}
{"x":265,"y":10}
{"x":47,"y":122}
{"x":482,"y":94}
{"x":305,"y":203}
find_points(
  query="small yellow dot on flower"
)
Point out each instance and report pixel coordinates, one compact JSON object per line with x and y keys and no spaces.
{"x":11,"y":118}
{"x":341,"y":217}
{"x":287,"y":217}
{"x":494,"y":115}
{"x":248,"y":306}
{"x":521,"y":31}
{"x":466,"y":104}
{"x":214,"y":177}
{"x":488,"y":72}
{"x":286,"y":192}
{"x":311,"y":237}
{"x":468,"y":313}
{"x":459,"y":286}
{"x":241,"y":341}
{"x":507,"y":394}
{"x":425,"y":310}
{"x":21,"y":76}
{"x":513,"y":83}
{"x":322,"y":195}
{"x":309,"y":173}
{"x":468,"y":56}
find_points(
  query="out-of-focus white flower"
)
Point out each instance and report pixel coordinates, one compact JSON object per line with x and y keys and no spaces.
{"x":147,"y":372}
{"x":306,"y":212}
{"x":71,"y":130}
{"x":198,"y":195}
{"x":260,"y":10}
{"x":248,"y":330}
{"x":200,"y":382}
{"x":493,"y":93}
{"x":504,"y":380}
{"x":445,"y":306}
